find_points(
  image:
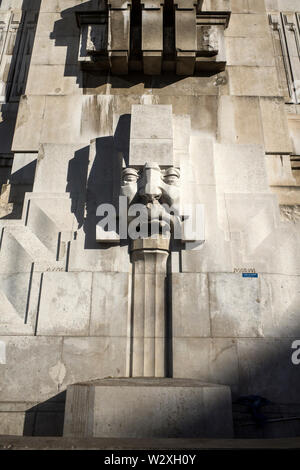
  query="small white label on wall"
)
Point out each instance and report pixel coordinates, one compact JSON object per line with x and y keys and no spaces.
{"x":2,"y":352}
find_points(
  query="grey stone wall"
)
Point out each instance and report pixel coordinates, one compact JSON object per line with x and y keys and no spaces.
{"x":65,"y":299}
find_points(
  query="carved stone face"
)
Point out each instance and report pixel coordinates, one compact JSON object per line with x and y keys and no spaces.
{"x":151,"y":185}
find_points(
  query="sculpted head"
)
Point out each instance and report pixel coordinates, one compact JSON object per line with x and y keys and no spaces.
{"x":151,"y":185}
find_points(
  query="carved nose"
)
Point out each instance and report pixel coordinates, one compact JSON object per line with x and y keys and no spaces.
{"x":151,"y":192}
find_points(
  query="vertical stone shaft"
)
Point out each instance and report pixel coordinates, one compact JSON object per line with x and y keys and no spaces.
{"x":148,"y":328}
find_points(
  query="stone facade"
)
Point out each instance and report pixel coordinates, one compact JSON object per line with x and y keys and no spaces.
{"x":226,"y":113}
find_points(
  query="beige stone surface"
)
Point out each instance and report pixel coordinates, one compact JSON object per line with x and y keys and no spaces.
{"x":89,"y":358}
{"x":24,"y":355}
{"x":230,"y":296}
{"x":30,"y":114}
{"x":253,"y":81}
{"x":190,"y":314}
{"x":244,"y":25}
{"x":110,"y":304}
{"x":274,"y":123}
{"x":294,"y":130}
{"x":245,"y":52}
{"x":66,"y":301}
{"x":239,"y":120}
{"x":240,"y":168}
{"x":64,"y":308}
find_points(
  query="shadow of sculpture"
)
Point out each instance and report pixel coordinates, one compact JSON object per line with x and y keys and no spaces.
{"x":94,"y":176}
{"x":46,"y":418}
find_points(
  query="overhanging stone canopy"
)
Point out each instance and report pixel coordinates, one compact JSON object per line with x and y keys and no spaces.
{"x":153,"y":37}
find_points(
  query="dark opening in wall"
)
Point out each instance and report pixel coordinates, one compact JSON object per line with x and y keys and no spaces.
{"x":169,"y":29}
{"x":169,"y":36}
{"x":136,"y":36}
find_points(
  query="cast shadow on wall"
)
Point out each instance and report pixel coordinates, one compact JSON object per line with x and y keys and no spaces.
{"x":47,"y":418}
{"x":99,"y":183}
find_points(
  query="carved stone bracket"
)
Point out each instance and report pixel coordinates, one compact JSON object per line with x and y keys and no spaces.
{"x":153,"y":37}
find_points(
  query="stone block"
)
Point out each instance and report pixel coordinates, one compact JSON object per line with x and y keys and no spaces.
{"x":152,"y":63}
{"x":151,"y":122}
{"x":243,"y":51}
{"x":256,"y":218}
{"x":113,"y":258}
{"x":43,"y":227}
{"x":185,"y":63}
{"x":12,"y":423}
{"x":151,"y":150}
{"x":240,"y":169}
{"x":54,"y":168}
{"x":234,"y":116}
{"x":201,"y":151}
{"x":207,"y":359}
{"x":280,"y":304}
{"x":253,"y":81}
{"x":250,"y":26}
{"x":279,"y":170}
{"x":214,"y":255}
{"x":275,"y":126}
{"x":65,"y":304}
{"x":89,"y":358}
{"x":185,"y":30}
{"x":19,"y":303}
{"x":50,"y":21}
{"x":69,"y":130}
{"x":119,"y":30}
{"x":294,"y":131}
{"x":148,"y":408}
{"x":21,"y":248}
{"x":110,"y":304}
{"x":190,"y":305}
{"x":36,"y":363}
{"x":235,"y":305}
{"x":266,"y":369}
{"x":47,"y":52}
{"x":52,"y":80}
{"x":30,"y":116}
{"x":152,"y":30}
{"x":23,"y":169}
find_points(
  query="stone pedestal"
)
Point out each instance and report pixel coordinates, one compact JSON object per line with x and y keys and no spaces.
{"x":148,"y":408}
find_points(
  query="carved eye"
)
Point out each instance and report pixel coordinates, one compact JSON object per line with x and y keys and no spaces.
{"x":130,"y":179}
{"x":171,"y":179}
{"x":171,"y":176}
{"x":130,"y":176}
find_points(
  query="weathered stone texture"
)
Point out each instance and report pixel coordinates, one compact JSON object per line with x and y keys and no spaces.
{"x":65,"y":133}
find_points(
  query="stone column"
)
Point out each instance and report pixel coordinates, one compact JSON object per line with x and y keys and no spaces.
{"x":185,"y":36}
{"x":152,"y":36}
{"x":119,"y":35}
{"x":148,"y":321}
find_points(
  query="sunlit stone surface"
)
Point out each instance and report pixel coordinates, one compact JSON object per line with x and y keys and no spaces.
{"x":191,"y":103}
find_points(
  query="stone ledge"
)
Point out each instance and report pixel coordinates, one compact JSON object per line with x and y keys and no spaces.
{"x":63,"y":443}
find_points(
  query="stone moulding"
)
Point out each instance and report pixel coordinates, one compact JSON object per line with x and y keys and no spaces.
{"x":152,"y":38}
{"x":286,"y":35}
